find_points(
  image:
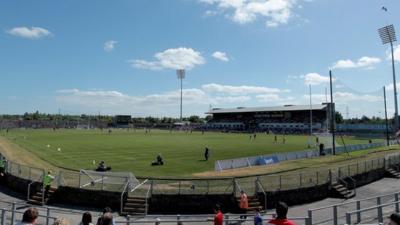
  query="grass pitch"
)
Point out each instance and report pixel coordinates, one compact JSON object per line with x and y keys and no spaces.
{"x":134,"y":150}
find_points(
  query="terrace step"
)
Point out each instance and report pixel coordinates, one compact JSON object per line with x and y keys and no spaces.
{"x":392,"y":173}
{"x":134,"y":206}
{"x":341,"y":191}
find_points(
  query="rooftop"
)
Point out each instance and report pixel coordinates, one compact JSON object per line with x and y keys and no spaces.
{"x":267,"y":109}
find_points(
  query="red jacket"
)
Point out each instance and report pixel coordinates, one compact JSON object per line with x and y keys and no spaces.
{"x":281,"y":222}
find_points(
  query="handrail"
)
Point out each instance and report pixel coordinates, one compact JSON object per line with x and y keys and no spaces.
{"x":139,"y":185}
{"x":379,"y":207}
{"x":122,"y":196}
{"x":147,"y":196}
{"x":263,"y":191}
{"x":354,"y":184}
{"x":236,"y":183}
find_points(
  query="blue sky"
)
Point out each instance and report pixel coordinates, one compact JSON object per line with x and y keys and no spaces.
{"x":120,"y":57}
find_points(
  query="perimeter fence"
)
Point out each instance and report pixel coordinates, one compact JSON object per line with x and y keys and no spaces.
{"x":250,"y":184}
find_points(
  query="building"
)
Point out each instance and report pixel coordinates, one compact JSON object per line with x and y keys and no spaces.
{"x":122,"y":121}
{"x":287,"y":118}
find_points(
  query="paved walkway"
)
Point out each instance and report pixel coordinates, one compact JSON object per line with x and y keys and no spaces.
{"x":381,"y":187}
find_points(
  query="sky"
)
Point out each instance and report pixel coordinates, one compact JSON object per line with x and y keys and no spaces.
{"x":121,"y":57}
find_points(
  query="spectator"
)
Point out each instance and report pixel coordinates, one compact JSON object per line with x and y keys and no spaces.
{"x":30,"y":217}
{"x":281,"y":219}
{"x":106,"y":219}
{"x":244,"y":204}
{"x":206,"y":153}
{"x":61,"y":221}
{"x":394,"y":219}
{"x":86,"y":219}
{"x":105,"y":211}
{"x":219,"y":217}
{"x":47,"y":179}
{"x":258,"y":218}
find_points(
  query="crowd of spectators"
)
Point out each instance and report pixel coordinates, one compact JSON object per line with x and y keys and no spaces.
{"x":31,"y":215}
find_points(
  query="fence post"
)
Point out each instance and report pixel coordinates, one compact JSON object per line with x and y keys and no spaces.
{"x":280,"y":182}
{"x":30,"y":173}
{"x":339,"y":172}
{"x":384,"y":163}
{"x":128,"y":222}
{"x":348,"y":170}
{"x":179,"y":187}
{"x":358,"y":212}
{"x":357,"y":168}
{"x":208,"y":186}
{"x":226,"y":219}
{"x":316,"y":173}
{"x":300,"y":179}
{"x":335,"y":218}
{"x":378,"y":202}
{"x":234,"y":187}
{"x":310,"y":215}
{"x":308,"y":221}
{"x":151,"y":187}
{"x":372,"y":164}
{"x":13,"y":213}
{"x":396,"y":197}
{"x":79,"y":179}
{"x":48,"y":216}
{"x":365,"y":166}
{"x":102,"y":182}
{"x":330,"y":176}
{"x":348,"y":218}
{"x":3,"y":217}
{"x":178,"y":218}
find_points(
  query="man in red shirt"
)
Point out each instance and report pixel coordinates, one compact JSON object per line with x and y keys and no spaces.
{"x":219,"y":217}
{"x":281,"y":211}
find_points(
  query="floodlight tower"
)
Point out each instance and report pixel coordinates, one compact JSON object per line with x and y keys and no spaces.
{"x":181,"y":75}
{"x":388,"y":35}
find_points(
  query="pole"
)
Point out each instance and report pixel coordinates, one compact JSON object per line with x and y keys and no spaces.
{"x":386,"y":119}
{"x":332,"y":115}
{"x":396,"y":112}
{"x":310,"y":113}
{"x":181,"y":100}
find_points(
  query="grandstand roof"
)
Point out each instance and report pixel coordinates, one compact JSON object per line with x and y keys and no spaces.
{"x":267,"y":109}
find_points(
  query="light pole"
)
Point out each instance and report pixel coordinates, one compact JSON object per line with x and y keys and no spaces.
{"x":181,"y":75}
{"x":332,"y":112}
{"x":388,"y":35}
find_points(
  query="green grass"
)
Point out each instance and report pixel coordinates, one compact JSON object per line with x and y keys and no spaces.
{"x":135,"y":150}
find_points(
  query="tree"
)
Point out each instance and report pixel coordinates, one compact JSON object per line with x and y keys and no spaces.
{"x":194,"y":119}
{"x":338,"y":117}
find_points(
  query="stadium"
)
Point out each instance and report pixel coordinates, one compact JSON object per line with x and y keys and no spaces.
{"x":253,"y":135}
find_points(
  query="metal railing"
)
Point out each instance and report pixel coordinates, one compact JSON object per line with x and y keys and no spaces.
{"x":379,"y":209}
{"x":147,"y":198}
{"x":122,"y":197}
{"x":259,"y":186}
{"x":356,"y":203}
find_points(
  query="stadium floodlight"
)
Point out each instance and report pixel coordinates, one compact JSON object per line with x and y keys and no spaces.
{"x":181,"y":75}
{"x":388,"y":35}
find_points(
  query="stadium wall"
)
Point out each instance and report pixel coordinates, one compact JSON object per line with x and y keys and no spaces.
{"x":280,"y":157}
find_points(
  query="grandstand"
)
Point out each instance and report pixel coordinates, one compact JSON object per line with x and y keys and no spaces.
{"x":287,"y":118}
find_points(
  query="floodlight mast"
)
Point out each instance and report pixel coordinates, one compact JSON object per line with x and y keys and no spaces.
{"x":388,"y":35}
{"x":181,"y":75}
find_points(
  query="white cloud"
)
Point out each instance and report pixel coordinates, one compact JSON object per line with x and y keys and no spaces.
{"x":269,"y":98}
{"x":240,"y":90}
{"x":315,"y":79}
{"x":363,"y":62}
{"x":396,"y":53}
{"x":274,"y":12}
{"x":390,"y":87}
{"x":30,"y":33}
{"x":220,"y":56}
{"x":174,"y":58}
{"x":344,"y":97}
{"x":109,"y":45}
